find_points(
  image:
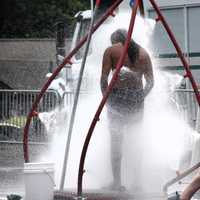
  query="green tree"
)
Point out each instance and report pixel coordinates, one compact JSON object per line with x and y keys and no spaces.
{"x":36,"y":18}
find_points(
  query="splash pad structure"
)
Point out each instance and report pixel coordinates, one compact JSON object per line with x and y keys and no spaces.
{"x":137,"y":4}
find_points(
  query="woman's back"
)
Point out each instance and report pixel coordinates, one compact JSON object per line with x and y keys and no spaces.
{"x":130,"y":75}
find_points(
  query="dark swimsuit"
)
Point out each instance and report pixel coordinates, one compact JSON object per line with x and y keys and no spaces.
{"x":126,"y":100}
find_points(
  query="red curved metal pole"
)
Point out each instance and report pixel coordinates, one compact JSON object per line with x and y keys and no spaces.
{"x":178,"y":49}
{"x":55,"y":73}
{"x":105,"y":97}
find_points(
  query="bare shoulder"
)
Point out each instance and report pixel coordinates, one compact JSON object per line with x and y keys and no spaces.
{"x":113,"y":50}
{"x":143,"y":54}
{"x":108,"y":52}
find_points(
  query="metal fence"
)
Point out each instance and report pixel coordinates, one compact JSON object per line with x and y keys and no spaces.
{"x":186,"y":104}
{"x":183,"y":100}
{"x":16,"y":104}
{"x":14,"y":108}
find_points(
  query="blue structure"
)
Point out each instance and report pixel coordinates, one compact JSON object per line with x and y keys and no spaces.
{"x":131,"y":3}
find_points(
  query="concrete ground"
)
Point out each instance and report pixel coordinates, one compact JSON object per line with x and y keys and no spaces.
{"x":11,"y":176}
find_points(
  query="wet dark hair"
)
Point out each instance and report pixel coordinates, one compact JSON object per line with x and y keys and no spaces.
{"x":120,"y":35}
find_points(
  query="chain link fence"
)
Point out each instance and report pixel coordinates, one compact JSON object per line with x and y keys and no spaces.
{"x":187,"y":105}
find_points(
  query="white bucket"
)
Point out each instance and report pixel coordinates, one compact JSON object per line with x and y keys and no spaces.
{"x":39,"y":181}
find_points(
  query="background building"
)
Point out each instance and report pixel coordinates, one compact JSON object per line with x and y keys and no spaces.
{"x":182,"y":16}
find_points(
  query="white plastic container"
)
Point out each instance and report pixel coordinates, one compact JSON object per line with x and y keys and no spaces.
{"x":39,"y":181}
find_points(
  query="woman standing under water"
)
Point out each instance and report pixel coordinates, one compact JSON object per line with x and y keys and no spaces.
{"x":126,"y":101}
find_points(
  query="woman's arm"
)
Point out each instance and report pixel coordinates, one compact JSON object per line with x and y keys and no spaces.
{"x":148,"y":75}
{"x":106,"y":68}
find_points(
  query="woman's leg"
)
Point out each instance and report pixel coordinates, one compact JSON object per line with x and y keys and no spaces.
{"x":116,"y":128}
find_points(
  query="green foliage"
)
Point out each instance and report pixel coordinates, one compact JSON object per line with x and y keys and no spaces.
{"x":14,"y":197}
{"x":37,"y":18}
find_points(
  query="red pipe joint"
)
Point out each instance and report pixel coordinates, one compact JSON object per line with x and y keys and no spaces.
{"x":157,"y":19}
{"x":112,"y":14}
{"x":186,"y":76}
{"x":70,"y":62}
{"x":35,"y":114}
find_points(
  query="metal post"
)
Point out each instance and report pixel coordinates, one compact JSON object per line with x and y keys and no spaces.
{"x":188,"y":94}
{"x":76,"y":97}
{"x":60,"y":40}
{"x":197,"y":126}
{"x":60,"y":48}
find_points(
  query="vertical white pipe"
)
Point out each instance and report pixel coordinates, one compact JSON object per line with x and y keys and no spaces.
{"x":186,"y":42}
{"x":71,"y":123}
{"x":197,"y":128}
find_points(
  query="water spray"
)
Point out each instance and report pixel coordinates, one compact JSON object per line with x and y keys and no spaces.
{"x":134,"y":4}
{"x":178,"y":49}
{"x":67,"y":60}
{"x":105,"y":97}
{"x":187,"y":75}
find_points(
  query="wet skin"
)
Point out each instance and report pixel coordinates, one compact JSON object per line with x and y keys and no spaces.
{"x":133,"y":80}
{"x":130,"y":77}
